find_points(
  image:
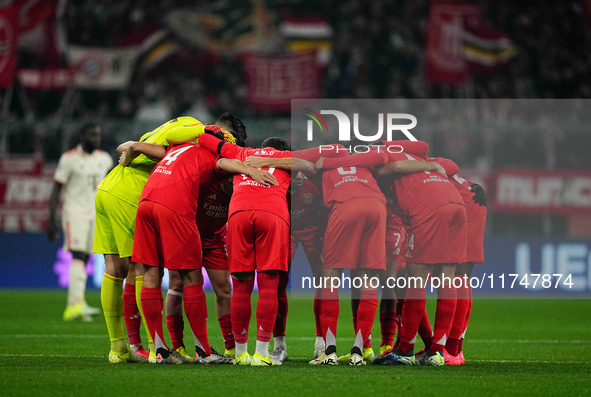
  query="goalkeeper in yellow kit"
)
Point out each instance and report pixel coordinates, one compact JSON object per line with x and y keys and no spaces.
{"x":116,"y":206}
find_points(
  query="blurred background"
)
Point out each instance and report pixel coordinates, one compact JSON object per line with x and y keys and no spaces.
{"x":130,"y":65}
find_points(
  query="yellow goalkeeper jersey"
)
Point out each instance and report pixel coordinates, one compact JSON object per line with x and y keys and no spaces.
{"x":126,"y":183}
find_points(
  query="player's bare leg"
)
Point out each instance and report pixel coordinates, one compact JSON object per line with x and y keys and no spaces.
{"x":116,"y":269}
{"x":76,"y":307}
{"x":243,"y":283}
{"x":222,"y":286}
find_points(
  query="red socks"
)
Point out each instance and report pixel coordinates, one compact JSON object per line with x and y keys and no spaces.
{"x":329,"y":315}
{"x":267,"y":307}
{"x":467,"y":318}
{"x":131,"y":314}
{"x":196,"y":311}
{"x":388,"y":328}
{"x":226,"y":327}
{"x":316,"y":307}
{"x":240,"y":309}
{"x":412,"y":312}
{"x":152,"y":307}
{"x":354,"y":310}
{"x":282,"y":305}
{"x":399,"y":306}
{"x":175,"y":325}
{"x":174,"y":317}
{"x":457,"y":328}
{"x":446,"y":308}
{"x":366,"y":313}
{"x":425,"y":330}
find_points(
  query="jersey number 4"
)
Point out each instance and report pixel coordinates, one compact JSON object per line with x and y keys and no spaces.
{"x":172,"y":156}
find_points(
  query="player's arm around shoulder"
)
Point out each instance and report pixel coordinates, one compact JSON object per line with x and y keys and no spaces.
{"x":215,"y":144}
{"x":409,"y":167}
{"x":365,"y":160}
{"x":132,"y":149}
{"x":233,"y":166}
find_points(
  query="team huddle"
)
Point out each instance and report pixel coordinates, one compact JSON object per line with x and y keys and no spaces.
{"x":189,"y":195}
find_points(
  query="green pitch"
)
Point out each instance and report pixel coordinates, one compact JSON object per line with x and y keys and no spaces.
{"x":523,"y":347}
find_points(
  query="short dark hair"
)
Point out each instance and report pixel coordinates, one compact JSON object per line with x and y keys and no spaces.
{"x":87,"y":127}
{"x":276,"y":143}
{"x":232,"y":123}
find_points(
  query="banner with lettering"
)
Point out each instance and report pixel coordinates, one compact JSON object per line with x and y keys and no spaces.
{"x":274,"y":80}
{"x":540,"y":191}
{"x":25,"y":187}
{"x":9,"y":31}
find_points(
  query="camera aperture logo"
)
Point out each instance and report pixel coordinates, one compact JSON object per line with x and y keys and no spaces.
{"x":315,"y":116}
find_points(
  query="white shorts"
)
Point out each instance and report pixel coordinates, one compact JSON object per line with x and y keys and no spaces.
{"x":78,"y":234}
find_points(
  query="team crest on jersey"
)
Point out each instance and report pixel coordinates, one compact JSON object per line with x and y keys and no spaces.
{"x":308,"y":198}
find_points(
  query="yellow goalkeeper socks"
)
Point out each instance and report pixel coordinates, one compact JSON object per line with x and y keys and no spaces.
{"x":139,"y":282}
{"x":112,"y":302}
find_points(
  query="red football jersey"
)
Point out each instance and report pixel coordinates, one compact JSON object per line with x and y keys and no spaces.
{"x":420,"y":193}
{"x":306,"y":208}
{"x":464,"y":186}
{"x":248,"y":194}
{"x":212,"y":209}
{"x":473,"y":210}
{"x":346,"y":176}
{"x":175,"y":180}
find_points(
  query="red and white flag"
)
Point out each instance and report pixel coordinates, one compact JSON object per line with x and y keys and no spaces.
{"x":460,"y":44}
{"x":273,"y":80}
{"x":40,"y":31}
{"x":9,"y":32}
{"x":444,"y":53}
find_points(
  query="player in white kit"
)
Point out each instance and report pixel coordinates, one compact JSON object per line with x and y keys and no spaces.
{"x":80,"y":170}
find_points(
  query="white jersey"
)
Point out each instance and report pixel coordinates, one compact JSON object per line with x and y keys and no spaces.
{"x":81,"y":173}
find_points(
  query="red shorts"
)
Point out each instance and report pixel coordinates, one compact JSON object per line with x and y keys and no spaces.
{"x":215,"y":254}
{"x":257,"y":240}
{"x":164,"y":238}
{"x":439,"y":237}
{"x":475,"y":241}
{"x":354,"y":236}
{"x":310,"y":238}
{"x":395,"y":237}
